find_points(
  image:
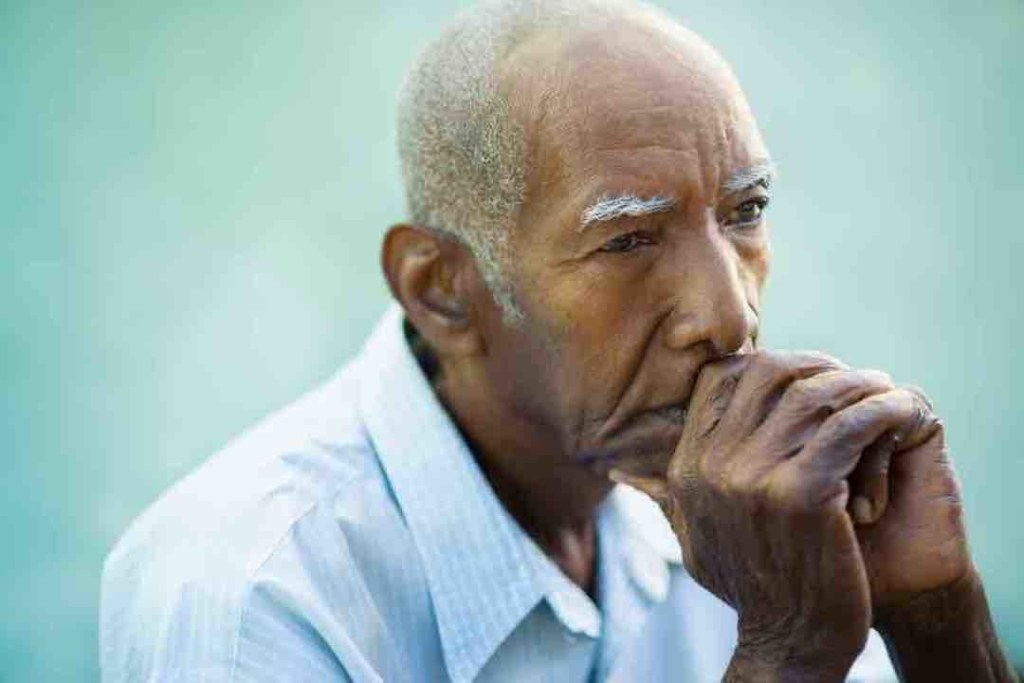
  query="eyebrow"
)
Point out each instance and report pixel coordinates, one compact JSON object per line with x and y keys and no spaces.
{"x":761,"y":172}
{"x":628,"y":205}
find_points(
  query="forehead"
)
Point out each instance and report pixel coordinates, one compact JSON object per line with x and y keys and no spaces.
{"x":634,"y":106}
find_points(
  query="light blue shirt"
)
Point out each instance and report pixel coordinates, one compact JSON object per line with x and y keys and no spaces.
{"x":352,"y":536}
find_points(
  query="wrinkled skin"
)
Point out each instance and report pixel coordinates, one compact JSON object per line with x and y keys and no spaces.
{"x":627,"y":322}
{"x":758,"y":489}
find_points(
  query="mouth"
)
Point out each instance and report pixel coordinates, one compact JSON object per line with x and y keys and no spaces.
{"x":645,"y":443}
{"x":643,"y":440}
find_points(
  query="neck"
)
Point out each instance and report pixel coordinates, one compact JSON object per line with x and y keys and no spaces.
{"x":552,"y":498}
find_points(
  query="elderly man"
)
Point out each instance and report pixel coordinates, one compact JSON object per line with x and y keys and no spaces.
{"x":578,"y":289}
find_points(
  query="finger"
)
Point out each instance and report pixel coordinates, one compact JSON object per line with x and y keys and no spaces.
{"x":808,"y":403}
{"x":836,"y":447}
{"x":764,"y":381}
{"x":923,"y":427}
{"x":924,"y":473}
{"x":869,"y":482}
{"x":711,"y":395}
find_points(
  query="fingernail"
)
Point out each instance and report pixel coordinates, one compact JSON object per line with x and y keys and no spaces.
{"x":860,"y":509}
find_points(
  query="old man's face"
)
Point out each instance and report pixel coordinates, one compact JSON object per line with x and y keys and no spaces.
{"x":642,"y":245}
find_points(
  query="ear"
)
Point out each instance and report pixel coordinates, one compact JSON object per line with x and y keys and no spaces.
{"x":429,"y":274}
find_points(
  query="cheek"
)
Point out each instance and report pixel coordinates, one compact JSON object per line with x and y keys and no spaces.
{"x":596,"y":327}
{"x":753,"y":260}
{"x":754,"y":267}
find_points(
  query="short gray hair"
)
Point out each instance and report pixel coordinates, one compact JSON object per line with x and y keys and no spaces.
{"x":463,"y":152}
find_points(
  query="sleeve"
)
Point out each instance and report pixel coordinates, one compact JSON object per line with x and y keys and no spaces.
{"x":204,"y":629}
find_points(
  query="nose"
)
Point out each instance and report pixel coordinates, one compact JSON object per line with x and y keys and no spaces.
{"x":712,"y":305}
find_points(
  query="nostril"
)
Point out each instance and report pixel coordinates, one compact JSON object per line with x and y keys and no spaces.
{"x":682,"y":331}
{"x":734,"y":327}
{"x":713,"y":309}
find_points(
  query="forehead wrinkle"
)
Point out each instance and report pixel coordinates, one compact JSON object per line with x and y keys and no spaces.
{"x":627,"y":205}
{"x":761,"y":172}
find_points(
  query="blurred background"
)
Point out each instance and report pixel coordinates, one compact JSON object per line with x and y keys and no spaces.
{"x":192,"y":197}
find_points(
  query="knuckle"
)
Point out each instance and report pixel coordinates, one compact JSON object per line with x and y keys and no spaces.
{"x":794,"y":502}
{"x":741,"y":480}
{"x":717,"y":378}
{"x":783,"y":491}
{"x":842,"y":425}
{"x":712,"y":471}
{"x":676,"y":473}
{"x":801,"y":395}
{"x":953,"y":489}
{"x":820,"y":359}
{"x":794,"y":363}
{"x":766,"y":361}
{"x":723,"y":391}
{"x":845,"y":423}
{"x":919,"y":396}
{"x":682,"y":477}
{"x":955,"y":511}
{"x":877,"y":378}
{"x":797,"y":491}
{"x":921,"y":420}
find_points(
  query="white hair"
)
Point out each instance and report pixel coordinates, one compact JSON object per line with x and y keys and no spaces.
{"x":462,"y":150}
{"x":761,"y":172}
{"x":629,"y":205}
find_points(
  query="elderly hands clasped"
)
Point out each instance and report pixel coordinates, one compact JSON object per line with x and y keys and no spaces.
{"x":779,"y":451}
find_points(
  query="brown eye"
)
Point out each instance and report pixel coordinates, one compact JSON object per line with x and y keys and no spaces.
{"x":627,"y":242}
{"x":748,"y":213}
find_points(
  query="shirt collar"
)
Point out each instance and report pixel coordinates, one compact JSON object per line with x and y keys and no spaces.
{"x":640,"y":519}
{"x":480,"y":573}
{"x":485,"y":574}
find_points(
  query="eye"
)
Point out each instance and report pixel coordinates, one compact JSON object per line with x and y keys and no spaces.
{"x":628,"y":242}
{"x":748,"y":213}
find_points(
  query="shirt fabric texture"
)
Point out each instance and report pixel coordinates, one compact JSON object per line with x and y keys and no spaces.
{"x":353,"y":537}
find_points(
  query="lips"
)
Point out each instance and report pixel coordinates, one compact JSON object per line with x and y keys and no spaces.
{"x":645,"y":444}
{"x":644,"y":436}
{"x":644,"y":439}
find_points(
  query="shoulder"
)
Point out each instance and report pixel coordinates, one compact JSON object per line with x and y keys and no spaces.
{"x":235,"y":507}
{"x":236,"y":551}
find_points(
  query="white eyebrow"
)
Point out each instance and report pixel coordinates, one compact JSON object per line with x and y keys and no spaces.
{"x":761,"y":173}
{"x":609,"y":208}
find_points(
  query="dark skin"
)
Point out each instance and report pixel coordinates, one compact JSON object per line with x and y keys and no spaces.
{"x":815,"y":499}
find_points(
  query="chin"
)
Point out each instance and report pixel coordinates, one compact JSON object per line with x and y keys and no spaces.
{"x":645,"y":448}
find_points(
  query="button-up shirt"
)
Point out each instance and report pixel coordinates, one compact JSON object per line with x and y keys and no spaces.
{"x":353,"y":536}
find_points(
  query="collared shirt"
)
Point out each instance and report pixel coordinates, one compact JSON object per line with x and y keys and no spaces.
{"x":352,"y":536}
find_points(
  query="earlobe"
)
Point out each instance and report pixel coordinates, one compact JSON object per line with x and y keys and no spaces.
{"x":423,"y":271}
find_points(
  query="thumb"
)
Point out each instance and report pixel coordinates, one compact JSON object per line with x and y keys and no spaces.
{"x":869,"y":482}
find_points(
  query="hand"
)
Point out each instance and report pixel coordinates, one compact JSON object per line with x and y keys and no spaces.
{"x":757,"y":494}
{"x":927,"y":597}
{"x":919,"y":543}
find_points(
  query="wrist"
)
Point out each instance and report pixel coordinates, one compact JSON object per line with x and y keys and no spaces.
{"x":758,"y":661}
{"x":933,"y":612}
{"x":944,"y":634}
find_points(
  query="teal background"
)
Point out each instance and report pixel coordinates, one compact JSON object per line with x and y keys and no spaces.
{"x":192,"y":196}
